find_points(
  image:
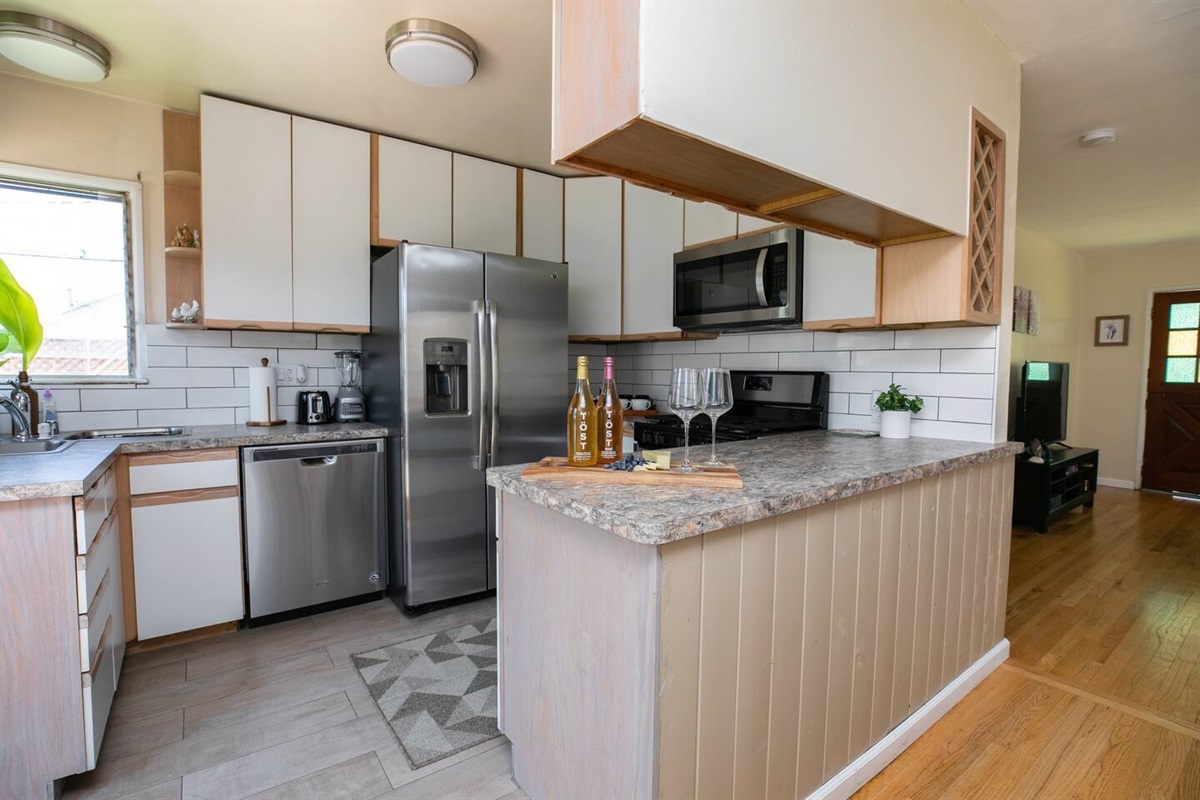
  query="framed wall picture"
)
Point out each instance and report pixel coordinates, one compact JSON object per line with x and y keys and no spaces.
{"x":1112,"y":330}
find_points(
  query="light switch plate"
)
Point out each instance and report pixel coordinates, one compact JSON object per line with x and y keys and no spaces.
{"x":291,"y":374}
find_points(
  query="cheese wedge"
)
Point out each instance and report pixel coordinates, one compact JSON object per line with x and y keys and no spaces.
{"x":661,"y":459}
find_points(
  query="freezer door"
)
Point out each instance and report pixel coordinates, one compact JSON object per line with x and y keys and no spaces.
{"x":527,"y":302}
{"x":445,"y":525}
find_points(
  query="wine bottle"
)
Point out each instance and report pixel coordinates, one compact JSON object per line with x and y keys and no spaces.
{"x":609,"y":417}
{"x":582,"y":442}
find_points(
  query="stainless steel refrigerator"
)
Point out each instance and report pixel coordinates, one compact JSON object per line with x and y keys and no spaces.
{"x":465,"y":365}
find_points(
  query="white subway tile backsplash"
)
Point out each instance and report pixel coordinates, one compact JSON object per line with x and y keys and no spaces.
{"x":309,"y":358}
{"x":582,"y":349}
{"x":929,"y":410}
{"x":660,"y":377}
{"x":859,"y":381}
{"x":218,"y":398}
{"x":945,"y":384}
{"x":186,"y":416}
{"x":832,"y":361}
{"x":946,"y":337}
{"x":124,"y":399}
{"x":338,"y":341}
{"x":896,"y":360}
{"x":854,"y":340}
{"x":652,"y":362}
{"x":726,"y":343}
{"x":230,"y":356}
{"x":860,"y":404}
{"x":64,"y":399}
{"x":189,"y":377}
{"x":750,"y":361}
{"x":979,"y":360}
{"x":96,"y":420}
{"x":699,"y":361}
{"x":780,"y":342}
{"x":672,"y":348}
{"x":960,"y":409}
{"x":636,"y":348}
{"x":166,"y":356}
{"x":855,"y":421}
{"x":839,"y":402}
{"x":963,"y":431}
{"x":160,"y":335}
{"x":297,"y":340}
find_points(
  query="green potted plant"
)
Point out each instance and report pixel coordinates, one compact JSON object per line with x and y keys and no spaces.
{"x":20,"y":331}
{"x":897,"y":408}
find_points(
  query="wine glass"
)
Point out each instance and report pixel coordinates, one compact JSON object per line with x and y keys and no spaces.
{"x":686,"y":400}
{"x":718,"y":398}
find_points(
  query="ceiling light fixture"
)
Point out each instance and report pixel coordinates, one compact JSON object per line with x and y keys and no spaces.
{"x":431,"y":53}
{"x":52,"y":48}
{"x":1098,"y":137}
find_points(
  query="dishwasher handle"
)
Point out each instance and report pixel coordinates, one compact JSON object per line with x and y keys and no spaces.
{"x":319,"y":461}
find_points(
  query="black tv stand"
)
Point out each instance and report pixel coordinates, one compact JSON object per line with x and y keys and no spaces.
{"x":1044,"y":492}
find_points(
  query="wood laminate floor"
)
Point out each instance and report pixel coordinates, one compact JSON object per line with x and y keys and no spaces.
{"x":1100,"y":698}
{"x":278,"y":712}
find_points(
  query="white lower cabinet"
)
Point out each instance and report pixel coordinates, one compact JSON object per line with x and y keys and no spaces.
{"x":188,"y":564}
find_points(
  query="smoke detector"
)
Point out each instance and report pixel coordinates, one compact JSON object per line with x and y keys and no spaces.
{"x":1098,"y":137}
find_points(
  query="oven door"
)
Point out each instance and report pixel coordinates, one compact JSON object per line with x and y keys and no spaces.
{"x":744,"y":283}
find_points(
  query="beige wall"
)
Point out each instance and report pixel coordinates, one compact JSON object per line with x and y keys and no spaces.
{"x":1057,"y":273}
{"x":1111,"y":380}
{"x":56,"y":127}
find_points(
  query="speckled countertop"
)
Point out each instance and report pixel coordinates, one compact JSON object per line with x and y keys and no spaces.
{"x":781,"y":474}
{"x":73,"y":470}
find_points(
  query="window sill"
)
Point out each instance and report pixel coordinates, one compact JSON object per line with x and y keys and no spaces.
{"x":67,"y":382}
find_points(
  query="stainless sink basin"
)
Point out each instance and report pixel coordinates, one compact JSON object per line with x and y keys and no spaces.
{"x":125,"y":433}
{"x":11,"y":447}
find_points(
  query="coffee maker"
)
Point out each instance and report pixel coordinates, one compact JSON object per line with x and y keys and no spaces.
{"x":349,"y":405}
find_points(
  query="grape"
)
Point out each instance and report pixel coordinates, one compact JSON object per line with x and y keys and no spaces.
{"x":627,"y":463}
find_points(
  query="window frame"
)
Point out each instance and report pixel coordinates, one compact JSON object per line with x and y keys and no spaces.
{"x":134,"y":268}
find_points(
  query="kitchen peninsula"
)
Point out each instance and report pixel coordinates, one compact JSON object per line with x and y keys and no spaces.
{"x":789,"y":637}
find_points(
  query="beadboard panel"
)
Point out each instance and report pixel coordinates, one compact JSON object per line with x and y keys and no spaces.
{"x":789,"y":646}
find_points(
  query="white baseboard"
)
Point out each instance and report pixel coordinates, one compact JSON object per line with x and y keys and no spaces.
{"x":1114,"y":482}
{"x":872,"y":762}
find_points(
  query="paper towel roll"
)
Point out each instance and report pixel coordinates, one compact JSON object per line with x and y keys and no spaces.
{"x":262,"y":394}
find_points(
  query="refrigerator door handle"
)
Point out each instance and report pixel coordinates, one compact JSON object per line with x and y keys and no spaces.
{"x":482,"y":411}
{"x":493,"y":382}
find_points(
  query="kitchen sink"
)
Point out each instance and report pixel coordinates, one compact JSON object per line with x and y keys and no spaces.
{"x":125,"y":433}
{"x":11,"y":447}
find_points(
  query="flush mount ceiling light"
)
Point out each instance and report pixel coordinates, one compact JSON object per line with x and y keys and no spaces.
{"x":431,"y":53}
{"x":1098,"y":137}
{"x":52,"y":48}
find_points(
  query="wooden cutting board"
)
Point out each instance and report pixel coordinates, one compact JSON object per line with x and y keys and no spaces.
{"x":555,"y":467}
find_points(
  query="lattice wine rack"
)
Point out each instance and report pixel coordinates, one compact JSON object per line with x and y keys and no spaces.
{"x":987,"y":209}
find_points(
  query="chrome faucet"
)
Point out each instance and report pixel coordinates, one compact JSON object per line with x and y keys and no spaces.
{"x":21,"y":429}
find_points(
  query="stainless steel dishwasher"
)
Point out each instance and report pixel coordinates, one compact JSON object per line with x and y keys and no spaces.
{"x":314,"y":522}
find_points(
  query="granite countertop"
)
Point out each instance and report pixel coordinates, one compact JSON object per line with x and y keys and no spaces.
{"x":781,"y":474}
{"x":73,"y":471}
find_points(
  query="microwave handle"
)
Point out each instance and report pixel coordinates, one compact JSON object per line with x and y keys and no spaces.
{"x":759,"y":278}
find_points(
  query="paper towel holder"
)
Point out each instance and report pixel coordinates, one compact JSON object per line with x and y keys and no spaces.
{"x":271,"y":422}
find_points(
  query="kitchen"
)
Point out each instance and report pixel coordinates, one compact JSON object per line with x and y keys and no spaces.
{"x":618,"y":238}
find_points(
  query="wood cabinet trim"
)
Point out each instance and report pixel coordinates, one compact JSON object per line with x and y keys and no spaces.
{"x":247,"y":324}
{"x":125,"y":529}
{"x":101,"y":651}
{"x":850,"y":323}
{"x":91,"y":609}
{"x":183,"y":496}
{"x":81,"y":562}
{"x":330,"y":327}
{"x":183,"y":456}
{"x":374,"y":188}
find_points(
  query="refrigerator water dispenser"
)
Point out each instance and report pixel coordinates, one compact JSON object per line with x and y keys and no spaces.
{"x":446,"y":376}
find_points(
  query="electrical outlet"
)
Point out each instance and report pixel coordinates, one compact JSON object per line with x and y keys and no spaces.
{"x":291,"y":374}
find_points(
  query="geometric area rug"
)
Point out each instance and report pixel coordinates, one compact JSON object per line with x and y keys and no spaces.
{"x":437,"y":692}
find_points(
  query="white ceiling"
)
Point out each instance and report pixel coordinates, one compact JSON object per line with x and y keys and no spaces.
{"x":1132,"y":65}
{"x":1129,"y":64}
{"x":325,"y":59}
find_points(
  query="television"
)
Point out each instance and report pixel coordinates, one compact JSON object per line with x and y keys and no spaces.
{"x":1042,"y":406}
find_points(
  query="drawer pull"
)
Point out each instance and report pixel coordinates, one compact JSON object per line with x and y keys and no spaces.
{"x":91,"y":610}
{"x":100,"y":648}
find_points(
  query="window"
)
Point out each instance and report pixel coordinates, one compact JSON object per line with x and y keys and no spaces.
{"x":73,"y":242}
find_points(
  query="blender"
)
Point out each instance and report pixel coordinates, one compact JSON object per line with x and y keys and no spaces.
{"x":349,"y":405}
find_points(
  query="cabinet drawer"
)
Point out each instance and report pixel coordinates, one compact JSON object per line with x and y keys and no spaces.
{"x":90,"y":511}
{"x":93,"y":623}
{"x":170,"y":472}
{"x":101,"y":558}
{"x":99,"y":686}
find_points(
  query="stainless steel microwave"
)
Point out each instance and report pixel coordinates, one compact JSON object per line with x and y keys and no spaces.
{"x":743,"y":284}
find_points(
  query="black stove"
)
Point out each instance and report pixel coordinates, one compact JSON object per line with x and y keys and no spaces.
{"x":764,"y":404}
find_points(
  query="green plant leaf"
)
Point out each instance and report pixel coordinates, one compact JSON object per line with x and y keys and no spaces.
{"x":19,"y":317}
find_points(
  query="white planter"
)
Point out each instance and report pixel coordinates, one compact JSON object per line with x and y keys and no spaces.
{"x":895,"y":425}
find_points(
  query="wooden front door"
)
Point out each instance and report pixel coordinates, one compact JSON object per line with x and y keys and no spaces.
{"x":1171,"y":459}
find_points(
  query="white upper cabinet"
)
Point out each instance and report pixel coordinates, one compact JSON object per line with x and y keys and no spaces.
{"x":331,"y":207}
{"x":541,"y":216}
{"x":247,"y":210}
{"x":653,"y":234}
{"x":840,"y":283}
{"x":593,"y":251}
{"x":707,"y":222}
{"x":485,"y":205}
{"x":414,"y":190}
{"x":747,"y":225}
